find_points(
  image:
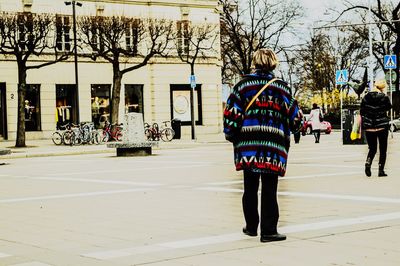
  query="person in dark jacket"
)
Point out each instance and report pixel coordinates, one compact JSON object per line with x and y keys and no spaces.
{"x":260,"y":133}
{"x":375,"y":122}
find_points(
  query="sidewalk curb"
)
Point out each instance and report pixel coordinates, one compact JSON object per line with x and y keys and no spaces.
{"x":33,"y":152}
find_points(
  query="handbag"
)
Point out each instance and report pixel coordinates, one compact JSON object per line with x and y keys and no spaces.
{"x":356,"y":129}
{"x":258,"y":93}
{"x":321,"y":118}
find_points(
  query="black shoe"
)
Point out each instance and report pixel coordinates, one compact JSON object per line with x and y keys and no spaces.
{"x":248,"y":232}
{"x":274,"y":237}
{"x":382,"y":173}
{"x":368,"y":169}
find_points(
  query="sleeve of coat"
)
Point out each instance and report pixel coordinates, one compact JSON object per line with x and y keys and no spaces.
{"x":233,"y":116}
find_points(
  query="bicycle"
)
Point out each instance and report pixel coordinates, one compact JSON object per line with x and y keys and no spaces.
{"x":57,"y":136}
{"x":113,"y":131}
{"x":155,"y":133}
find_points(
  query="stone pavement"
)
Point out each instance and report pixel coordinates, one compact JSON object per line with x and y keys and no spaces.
{"x":182,"y":207}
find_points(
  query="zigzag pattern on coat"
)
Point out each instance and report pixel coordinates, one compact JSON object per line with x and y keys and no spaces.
{"x":269,"y":129}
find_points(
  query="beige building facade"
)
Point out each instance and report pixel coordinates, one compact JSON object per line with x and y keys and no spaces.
{"x":160,"y":90}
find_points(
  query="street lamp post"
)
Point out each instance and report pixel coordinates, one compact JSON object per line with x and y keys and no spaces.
{"x":74,"y":4}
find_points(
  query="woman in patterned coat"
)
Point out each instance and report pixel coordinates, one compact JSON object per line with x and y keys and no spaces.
{"x":261,"y":140}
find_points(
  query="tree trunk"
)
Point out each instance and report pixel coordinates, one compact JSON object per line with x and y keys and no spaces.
{"x":116,"y":93}
{"x":20,"y":141}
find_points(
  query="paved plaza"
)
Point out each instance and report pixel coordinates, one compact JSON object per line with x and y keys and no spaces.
{"x":182,"y":206}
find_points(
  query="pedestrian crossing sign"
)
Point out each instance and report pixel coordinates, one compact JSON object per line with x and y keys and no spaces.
{"x":389,"y":61}
{"x":342,"y":77}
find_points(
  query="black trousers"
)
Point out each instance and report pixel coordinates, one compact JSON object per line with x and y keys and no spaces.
{"x":297,"y":137}
{"x":372,"y":139}
{"x":317,"y":135}
{"x":269,"y":202}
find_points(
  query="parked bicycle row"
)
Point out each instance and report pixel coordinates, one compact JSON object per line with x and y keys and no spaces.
{"x":85,"y":133}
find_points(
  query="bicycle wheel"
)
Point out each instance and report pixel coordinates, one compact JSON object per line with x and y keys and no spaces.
{"x":118,"y":136}
{"x":96,"y":138}
{"x":105,"y":136}
{"x":148,"y":134}
{"x":68,"y":137}
{"x":57,"y":138}
{"x":167,"y":134}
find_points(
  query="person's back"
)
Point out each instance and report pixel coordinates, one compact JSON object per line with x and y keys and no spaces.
{"x":258,"y":117}
{"x":264,"y":140}
{"x":374,"y":108}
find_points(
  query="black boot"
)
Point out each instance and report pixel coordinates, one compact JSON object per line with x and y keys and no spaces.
{"x":368,"y":167}
{"x":381,"y":171}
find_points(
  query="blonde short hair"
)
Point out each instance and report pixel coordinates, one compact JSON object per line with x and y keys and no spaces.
{"x":380,"y":84}
{"x":265,"y":59}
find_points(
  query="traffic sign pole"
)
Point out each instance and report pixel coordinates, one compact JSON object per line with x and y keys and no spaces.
{"x":391,"y":101}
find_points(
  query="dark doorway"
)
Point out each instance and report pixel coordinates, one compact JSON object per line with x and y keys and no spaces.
{"x":67,"y":111}
{"x":133,"y":98}
{"x":3,"y":111}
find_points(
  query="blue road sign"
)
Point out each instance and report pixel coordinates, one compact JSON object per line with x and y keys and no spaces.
{"x":342,"y":77}
{"x":389,"y":61}
{"x":192,"y":81}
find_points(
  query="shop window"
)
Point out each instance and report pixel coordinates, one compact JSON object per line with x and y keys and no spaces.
{"x":66,"y":109}
{"x":180,"y":104}
{"x":183,"y":36}
{"x":134,"y":99}
{"x":32,"y":108}
{"x":100,"y":101}
{"x":63,"y":27}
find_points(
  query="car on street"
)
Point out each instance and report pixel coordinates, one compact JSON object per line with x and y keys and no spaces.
{"x":395,"y":124}
{"x":307,"y":127}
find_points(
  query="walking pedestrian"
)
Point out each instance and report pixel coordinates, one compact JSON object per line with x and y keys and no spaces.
{"x":375,"y":122}
{"x":316,"y":118}
{"x":259,"y":116}
{"x":297,"y":134}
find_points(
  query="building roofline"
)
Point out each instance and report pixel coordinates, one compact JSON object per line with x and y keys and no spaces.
{"x":175,"y":3}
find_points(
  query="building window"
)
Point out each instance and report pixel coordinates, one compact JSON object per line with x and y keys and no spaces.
{"x":25,"y":29}
{"x":183,"y":36}
{"x":100,"y":104}
{"x":180,"y":104}
{"x":66,"y":109}
{"x":63,"y":27}
{"x":32,"y":108}
{"x":133,"y":98}
{"x":132,"y":36}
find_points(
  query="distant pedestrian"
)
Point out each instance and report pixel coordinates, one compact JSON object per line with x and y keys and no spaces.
{"x":297,"y":134}
{"x":316,"y":118}
{"x":258,"y":118}
{"x":375,"y":122}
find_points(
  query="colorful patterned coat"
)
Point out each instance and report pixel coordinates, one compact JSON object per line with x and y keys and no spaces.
{"x":261,"y":136}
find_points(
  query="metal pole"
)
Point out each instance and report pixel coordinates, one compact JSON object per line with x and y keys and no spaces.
{"x":391,"y":101}
{"x":75,"y":60}
{"x":341,"y":112}
{"x":370,"y":59}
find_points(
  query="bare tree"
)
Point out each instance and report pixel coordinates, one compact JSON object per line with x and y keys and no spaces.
{"x":247,"y":26}
{"x":27,"y":36}
{"x":118,"y":39}
{"x":193,"y":42}
{"x":387,"y":16}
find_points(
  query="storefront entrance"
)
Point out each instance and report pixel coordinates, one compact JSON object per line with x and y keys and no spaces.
{"x":66,"y":105}
{"x":100,"y":104}
{"x":133,"y":98}
{"x":3,"y":111}
{"x":32,"y":108}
